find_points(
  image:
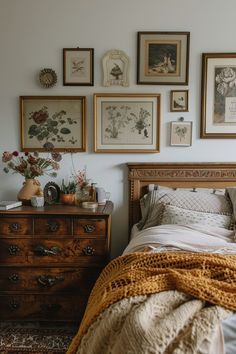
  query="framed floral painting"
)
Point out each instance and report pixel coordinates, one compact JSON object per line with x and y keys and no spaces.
{"x":78,"y":66}
{"x":218,"y":102}
{"x":126,"y":122}
{"x":163,"y":58}
{"x":53,"y":123}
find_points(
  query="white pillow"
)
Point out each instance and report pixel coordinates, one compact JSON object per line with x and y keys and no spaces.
{"x":204,"y":200}
{"x":175,"y":215}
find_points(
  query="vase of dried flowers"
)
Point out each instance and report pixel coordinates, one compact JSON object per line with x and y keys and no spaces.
{"x":30,"y":166}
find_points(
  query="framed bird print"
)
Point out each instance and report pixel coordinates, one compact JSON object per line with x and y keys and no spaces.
{"x":78,"y":66}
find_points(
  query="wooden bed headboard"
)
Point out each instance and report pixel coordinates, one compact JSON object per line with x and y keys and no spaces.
{"x":205,"y":175}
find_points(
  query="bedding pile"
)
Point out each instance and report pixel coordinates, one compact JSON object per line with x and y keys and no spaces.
{"x":207,"y":277}
{"x":175,"y":282}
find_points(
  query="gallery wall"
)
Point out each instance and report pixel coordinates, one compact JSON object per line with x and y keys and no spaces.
{"x":32,"y":36}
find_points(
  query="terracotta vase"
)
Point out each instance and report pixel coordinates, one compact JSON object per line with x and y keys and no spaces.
{"x":30,"y":188}
{"x":67,"y":198}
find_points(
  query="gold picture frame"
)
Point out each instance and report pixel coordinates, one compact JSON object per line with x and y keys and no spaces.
{"x":218,"y":96}
{"x":163,"y":58}
{"x":53,"y":123}
{"x":127,"y":122}
{"x":78,"y":66}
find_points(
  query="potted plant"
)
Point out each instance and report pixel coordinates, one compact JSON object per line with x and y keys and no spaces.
{"x":67,"y":195}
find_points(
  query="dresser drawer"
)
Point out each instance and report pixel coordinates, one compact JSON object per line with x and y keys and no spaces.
{"x":16,"y":226}
{"x":89,"y":227}
{"x":42,"y":307}
{"x":77,"y":280}
{"x":52,"y":226}
{"x":42,"y":251}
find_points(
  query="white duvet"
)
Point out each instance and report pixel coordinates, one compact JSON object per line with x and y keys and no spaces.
{"x":192,"y":238}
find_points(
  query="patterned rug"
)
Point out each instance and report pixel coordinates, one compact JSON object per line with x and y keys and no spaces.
{"x":35,"y":338}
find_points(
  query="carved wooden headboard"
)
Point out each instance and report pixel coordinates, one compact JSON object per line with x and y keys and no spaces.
{"x":205,"y":175}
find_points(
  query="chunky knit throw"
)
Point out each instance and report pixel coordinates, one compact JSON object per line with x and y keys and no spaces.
{"x":207,"y":277}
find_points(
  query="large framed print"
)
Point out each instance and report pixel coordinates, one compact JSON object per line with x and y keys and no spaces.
{"x":78,"y":66}
{"x":163,"y":58}
{"x":126,"y":122}
{"x":53,"y":123}
{"x":218,"y":98}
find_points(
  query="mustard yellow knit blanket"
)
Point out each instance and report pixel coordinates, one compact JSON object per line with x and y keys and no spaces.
{"x":208,"y":277}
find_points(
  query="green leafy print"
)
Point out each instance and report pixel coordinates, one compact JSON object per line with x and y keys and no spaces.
{"x":54,"y":129}
{"x":122,"y":117}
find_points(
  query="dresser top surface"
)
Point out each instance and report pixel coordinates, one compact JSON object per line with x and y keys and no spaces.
{"x":60,"y":209}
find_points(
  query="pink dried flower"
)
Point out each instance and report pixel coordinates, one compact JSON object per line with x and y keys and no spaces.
{"x":29,"y":165}
{"x":6,"y":156}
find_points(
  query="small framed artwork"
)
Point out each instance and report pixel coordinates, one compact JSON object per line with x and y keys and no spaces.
{"x":179,"y":101}
{"x":127,"y":123}
{"x":78,"y":66}
{"x":181,"y":133}
{"x":115,"y":68}
{"x":53,"y":123}
{"x":218,"y":98}
{"x":163,"y":58}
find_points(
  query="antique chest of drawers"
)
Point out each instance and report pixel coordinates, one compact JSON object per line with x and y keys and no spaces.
{"x":50,"y":258}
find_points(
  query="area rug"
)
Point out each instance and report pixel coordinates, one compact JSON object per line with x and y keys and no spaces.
{"x":35,"y":338}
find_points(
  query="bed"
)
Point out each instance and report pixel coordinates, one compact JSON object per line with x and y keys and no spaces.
{"x":173,"y":290}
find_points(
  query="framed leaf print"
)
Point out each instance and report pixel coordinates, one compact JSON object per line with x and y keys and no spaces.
{"x":78,"y":66}
{"x":53,"y":123}
{"x":126,"y":122}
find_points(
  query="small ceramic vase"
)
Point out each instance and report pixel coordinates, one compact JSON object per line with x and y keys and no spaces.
{"x":30,"y":188}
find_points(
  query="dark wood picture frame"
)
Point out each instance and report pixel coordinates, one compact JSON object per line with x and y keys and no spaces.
{"x":78,"y":66}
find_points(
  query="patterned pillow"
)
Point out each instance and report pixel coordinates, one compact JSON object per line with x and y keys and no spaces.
{"x":205,"y":200}
{"x":174,"y":215}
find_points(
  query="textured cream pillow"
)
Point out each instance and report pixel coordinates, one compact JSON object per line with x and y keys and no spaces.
{"x":204,"y":200}
{"x":174,"y":215}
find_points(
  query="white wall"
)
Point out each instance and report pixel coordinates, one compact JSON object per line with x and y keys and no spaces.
{"x":32,"y":35}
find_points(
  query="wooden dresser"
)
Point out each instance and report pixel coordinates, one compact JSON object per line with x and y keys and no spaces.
{"x":50,"y":258}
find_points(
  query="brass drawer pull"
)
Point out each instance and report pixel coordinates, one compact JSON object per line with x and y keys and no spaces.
{"x":88,"y":251}
{"x":53,"y":226}
{"x":53,"y":307}
{"x":14,"y":278}
{"x":13,"y":250}
{"x":42,"y":251}
{"x":48,"y":281}
{"x":89,"y":228}
{"x":14,"y":305}
{"x":14,"y":227}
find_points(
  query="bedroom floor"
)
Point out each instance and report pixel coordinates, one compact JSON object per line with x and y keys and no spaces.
{"x":21,"y":338}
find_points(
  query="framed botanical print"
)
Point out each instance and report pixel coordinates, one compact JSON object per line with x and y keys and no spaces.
{"x":179,"y":101}
{"x":218,"y":98}
{"x":163,"y":58}
{"x":78,"y":66}
{"x":53,"y":123}
{"x":181,"y":133}
{"x":126,"y":122}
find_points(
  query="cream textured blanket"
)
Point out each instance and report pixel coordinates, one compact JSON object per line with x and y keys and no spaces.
{"x":168,"y":322}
